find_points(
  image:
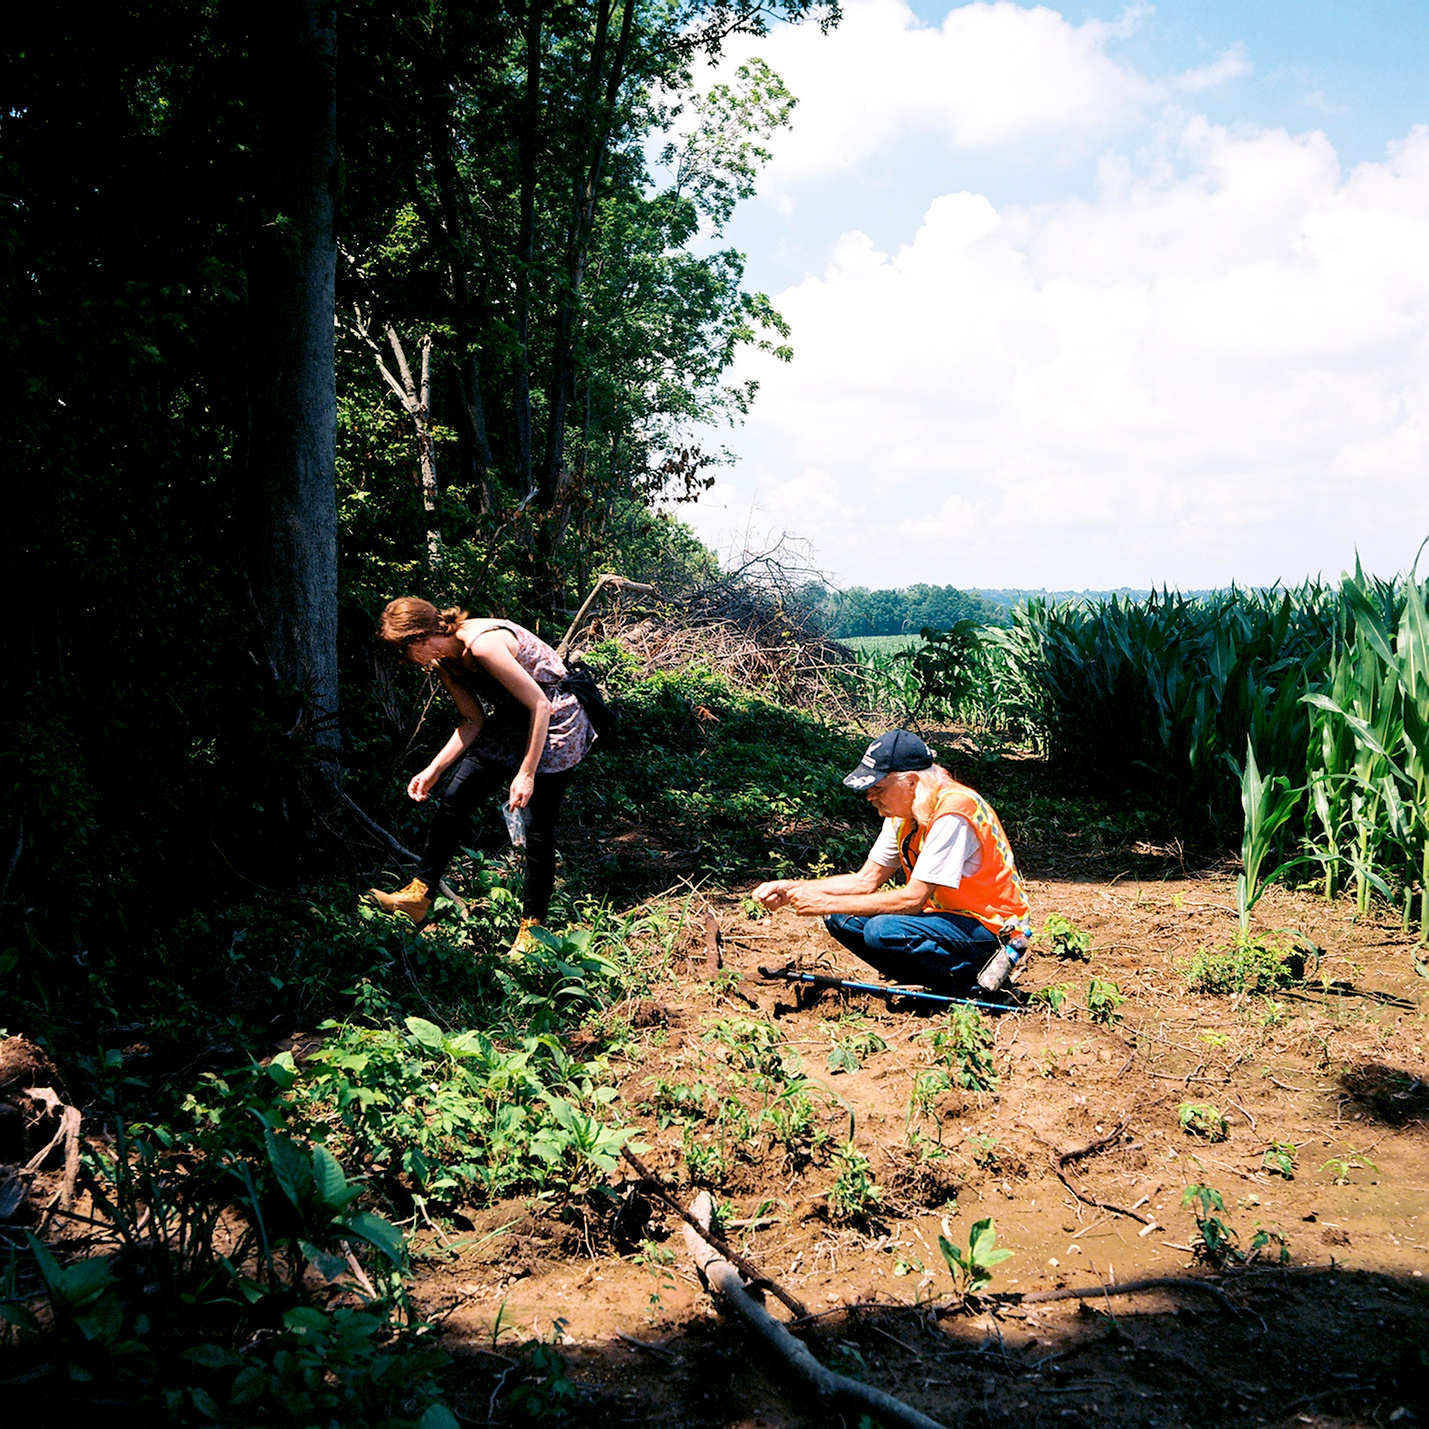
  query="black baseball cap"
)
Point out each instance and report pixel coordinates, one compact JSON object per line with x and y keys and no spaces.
{"x":890,"y":753}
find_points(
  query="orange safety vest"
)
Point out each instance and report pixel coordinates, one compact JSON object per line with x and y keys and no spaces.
{"x":992,"y":895}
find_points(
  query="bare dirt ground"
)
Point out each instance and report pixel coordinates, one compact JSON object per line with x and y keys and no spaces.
{"x":1334,"y":1068}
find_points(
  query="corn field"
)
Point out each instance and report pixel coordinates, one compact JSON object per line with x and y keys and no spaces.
{"x":1298,"y":717}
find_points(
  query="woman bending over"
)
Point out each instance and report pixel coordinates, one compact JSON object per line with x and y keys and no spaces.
{"x":517,"y":727}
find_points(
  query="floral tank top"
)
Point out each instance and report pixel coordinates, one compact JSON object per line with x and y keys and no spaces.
{"x":503,"y":737}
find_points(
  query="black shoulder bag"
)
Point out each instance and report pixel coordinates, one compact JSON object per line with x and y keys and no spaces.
{"x":580,"y":681}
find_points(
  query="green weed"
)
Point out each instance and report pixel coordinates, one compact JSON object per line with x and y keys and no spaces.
{"x":1051,"y":997}
{"x":1068,"y":941}
{"x":986,"y":1152}
{"x":1217,"y":1241}
{"x":1247,"y":965}
{"x":854,"y":1196}
{"x":1203,"y":1120}
{"x":1104,"y":1000}
{"x":853,"y":1042}
{"x":962,"y":1048}
{"x":1279,"y":1159}
{"x":1340,"y":1167}
{"x":971,"y":1269}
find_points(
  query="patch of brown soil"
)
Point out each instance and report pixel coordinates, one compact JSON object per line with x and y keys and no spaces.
{"x":1332,"y":1073}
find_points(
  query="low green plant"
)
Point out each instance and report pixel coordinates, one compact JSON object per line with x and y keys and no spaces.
{"x":1203,"y":1120}
{"x":544,"y":1392}
{"x":926,"y":1088}
{"x":267,"y":1233}
{"x":1068,"y":941}
{"x":1104,"y":1000}
{"x":1265,"y":1238}
{"x":678,"y":1101}
{"x":853,"y":1042}
{"x":1051,"y":997}
{"x":854,"y":1196}
{"x":704,"y":1160}
{"x":1247,"y":965}
{"x":792,"y":1121}
{"x":1279,"y":1159}
{"x":985,"y":1151}
{"x":1216,"y":1238}
{"x":962,"y":1048}
{"x":971,"y":1269}
{"x":752,"y":1046}
{"x":1340,"y":1167}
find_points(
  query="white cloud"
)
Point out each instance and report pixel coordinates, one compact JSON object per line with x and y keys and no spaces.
{"x":993,"y":74}
{"x":1216,"y":369}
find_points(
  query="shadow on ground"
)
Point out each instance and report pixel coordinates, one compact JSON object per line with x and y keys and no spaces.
{"x":1283,"y":1347}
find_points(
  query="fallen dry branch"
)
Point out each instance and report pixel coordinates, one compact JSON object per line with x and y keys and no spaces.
{"x":807,"y":674}
{"x":722,"y":1276}
{"x":619,"y":583}
{"x":727,"y":1251}
{"x":1131,"y":1287}
{"x":1063,"y":1158}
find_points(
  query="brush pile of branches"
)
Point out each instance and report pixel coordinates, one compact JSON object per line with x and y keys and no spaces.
{"x":748,"y":624}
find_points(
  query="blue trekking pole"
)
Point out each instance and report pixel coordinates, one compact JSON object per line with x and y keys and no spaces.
{"x":881,"y":989}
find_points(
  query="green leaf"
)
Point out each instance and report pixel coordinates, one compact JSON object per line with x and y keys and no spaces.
{"x":282,"y":1070}
{"x":291,"y":1167}
{"x":334,"y":1189}
{"x":331,"y":1267}
{"x":437,"y":1416}
{"x":212,"y":1356}
{"x":304,"y":1320}
{"x":428,"y":1034}
{"x":383,"y":1235}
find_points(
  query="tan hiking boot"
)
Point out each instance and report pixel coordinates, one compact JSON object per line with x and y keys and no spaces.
{"x":524,"y":943}
{"x":414,"y":901}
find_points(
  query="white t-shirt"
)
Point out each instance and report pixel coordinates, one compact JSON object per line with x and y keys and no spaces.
{"x":950,"y":853}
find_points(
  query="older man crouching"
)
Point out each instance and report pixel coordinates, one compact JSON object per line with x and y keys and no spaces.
{"x":962,"y":895}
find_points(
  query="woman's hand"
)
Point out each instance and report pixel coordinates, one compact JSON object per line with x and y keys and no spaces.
{"x":521,"y":788}
{"x":420,"y":786}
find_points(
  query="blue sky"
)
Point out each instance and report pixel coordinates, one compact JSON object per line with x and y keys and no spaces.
{"x":1133,"y":291}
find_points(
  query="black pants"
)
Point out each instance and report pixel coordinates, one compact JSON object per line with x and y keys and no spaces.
{"x":476,"y":779}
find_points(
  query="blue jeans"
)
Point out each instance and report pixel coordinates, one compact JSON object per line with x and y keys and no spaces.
{"x":942,"y":951}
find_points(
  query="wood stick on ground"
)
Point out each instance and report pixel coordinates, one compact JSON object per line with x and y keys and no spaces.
{"x":1129,"y":1287}
{"x":1075,"y":1154}
{"x":730,"y":1254}
{"x":723,"y":1277}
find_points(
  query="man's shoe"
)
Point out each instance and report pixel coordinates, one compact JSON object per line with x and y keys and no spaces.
{"x":524,"y":942}
{"x":413,"y":902}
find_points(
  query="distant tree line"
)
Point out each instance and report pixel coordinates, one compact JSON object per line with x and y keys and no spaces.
{"x":859,"y":611}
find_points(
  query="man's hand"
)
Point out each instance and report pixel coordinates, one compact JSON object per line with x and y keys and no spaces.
{"x":775,"y":893}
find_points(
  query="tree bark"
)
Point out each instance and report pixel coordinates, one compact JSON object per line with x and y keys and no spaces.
{"x":415,"y":395}
{"x":601,"y":111}
{"x":453,"y":210}
{"x":292,"y":563}
{"x":526,"y":245}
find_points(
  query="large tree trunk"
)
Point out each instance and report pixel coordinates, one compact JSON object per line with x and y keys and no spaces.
{"x":556,"y":483}
{"x":526,"y":245}
{"x":292,"y":390}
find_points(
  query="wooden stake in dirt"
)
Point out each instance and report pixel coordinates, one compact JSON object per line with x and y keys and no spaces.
{"x":720,"y":1275}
